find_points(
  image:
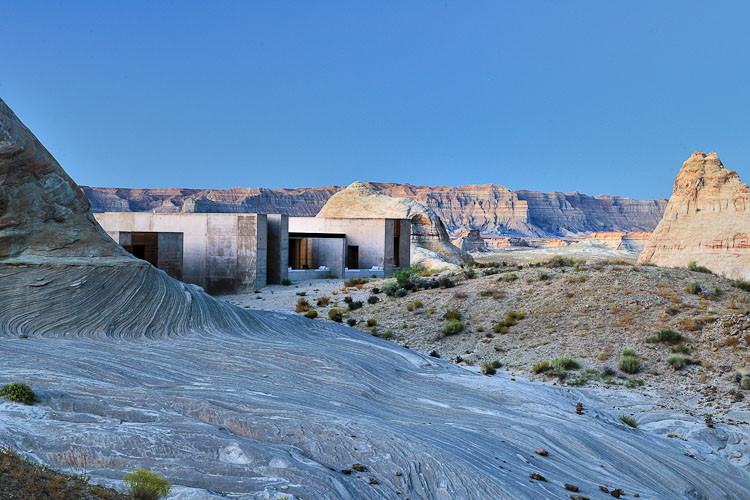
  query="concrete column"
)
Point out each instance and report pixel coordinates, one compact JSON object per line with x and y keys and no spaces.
{"x":278,"y":248}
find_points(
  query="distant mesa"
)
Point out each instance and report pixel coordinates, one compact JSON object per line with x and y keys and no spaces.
{"x":706,"y":221}
{"x":489,"y":208}
{"x":431,"y":247}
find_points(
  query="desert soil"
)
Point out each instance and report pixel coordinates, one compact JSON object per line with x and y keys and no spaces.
{"x":590,"y":314}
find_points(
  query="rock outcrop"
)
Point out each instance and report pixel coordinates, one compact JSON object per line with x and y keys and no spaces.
{"x":631,"y":242}
{"x":431,"y":246}
{"x":470,"y":241}
{"x":270,"y":405}
{"x":707,"y":221}
{"x":490,"y":208}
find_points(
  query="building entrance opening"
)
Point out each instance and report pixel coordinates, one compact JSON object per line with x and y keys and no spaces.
{"x":352,"y":257}
{"x":144,"y":246}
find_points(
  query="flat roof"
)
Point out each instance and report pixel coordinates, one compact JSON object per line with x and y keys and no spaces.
{"x":317,"y":235}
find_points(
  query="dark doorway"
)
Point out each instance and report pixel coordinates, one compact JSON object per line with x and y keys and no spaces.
{"x":352,"y":257}
{"x":144,"y":246}
{"x":396,"y":242}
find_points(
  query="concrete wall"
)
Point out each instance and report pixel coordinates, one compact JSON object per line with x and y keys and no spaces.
{"x":404,"y":250}
{"x":278,"y":248}
{"x":170,"y":254}
{"x":330,"y":252}
{"x":374,"y":237}
{"x":221,"y":252}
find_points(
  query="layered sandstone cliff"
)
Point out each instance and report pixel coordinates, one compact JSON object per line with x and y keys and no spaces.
{"x":707,"y":220}
{"x":490,"y":208}
{"x":431,"y":246}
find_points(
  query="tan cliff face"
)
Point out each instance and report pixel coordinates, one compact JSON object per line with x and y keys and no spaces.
{"x":490,"y":208}
{"x":430,"y":243}
{"x":706,"y":221}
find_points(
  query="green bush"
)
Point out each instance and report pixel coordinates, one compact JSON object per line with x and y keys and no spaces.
{"x":742,"y":285}
{"x":540,"y":367}
{"x":565,"y":363}
{"x":403,"y":275}
{"x":677,"y":361}
{"x":372,"y":299}
{"x":488,"y":369}
{"x":509,"y":277}
{"x":146,"y":485}
{"x":388,"y":334}
{"x":335,"y":314}
{"x":629,"y":352}
{"x":694,"y":288}
{"x":630,"y":364}
{"x":390,"y":287}
{"x":453,"y":315}
{"x":311,"y":314}
{"x":693,"y":266}
{"x":629,"y":421}
{"x":372,"y":322}
{"x":453,"y":327}
{"x":469,"y":273}
{"x":301,"y":294}
{"x":286,"y":282}
{"x":745,"y":382}
{"x":666,"y":336}
{"x":19,"y":392}
{"x":351,"y":321}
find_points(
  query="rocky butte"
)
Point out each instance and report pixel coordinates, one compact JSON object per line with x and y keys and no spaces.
{"x":134,"y":369}
{"x":706,"y":221}
{"x":431,"y":247}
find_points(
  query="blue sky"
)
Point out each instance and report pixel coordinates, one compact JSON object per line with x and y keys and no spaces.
{"x":596,"y":96}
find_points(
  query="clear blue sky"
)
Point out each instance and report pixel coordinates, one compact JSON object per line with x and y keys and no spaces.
{"x":598,"y":96}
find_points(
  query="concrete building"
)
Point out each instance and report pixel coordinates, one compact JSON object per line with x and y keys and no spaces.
{"x":346,"y":248}
{"x":234,"y":253}
{"x":223,"y":253}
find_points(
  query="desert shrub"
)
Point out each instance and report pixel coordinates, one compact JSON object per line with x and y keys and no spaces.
{"x":353,"y":282}
{"x":544,"y":276}
{"x":390,"y":287}
{"x":146,"y":485}
{"x":354,"y":305}
{"x":485,"y":293}
{"x":558,"y":261}
{"x":311,"y":314}
{"x":417,"y":304}
{"x":510,"y":319}
{"x":401,"y":292}
{"x":372,"y":322}
{"x":453,"y":315}
{"x":351,"y":321}
{"x":629,"y":352}
{"x":302,"y":306}
{"x":677,"y":361}
{"x":629,"y":421}
{"x":694,"y":287}
{"x":453,"y":327}
{"x":323,"y":301}
{"x":488,"y":369}
{"x":496,"y":364}
{"x":469,"y":273}
{"x":630,"y":364}
{"x":434,"y":354}
{"x":301,"y":294}
{"x":681,"y":349}
{"x":666,"y":336}
{"x":541,"y":367}
{"x":19,"y":392}
{"x":372,"y":299}
{"x":509,"y":277}
{"x":402,"y":275}
{"x":336,"y":315}
{"x":445,"y":282}
{"x":375,"y":290}
{"x":286,"y":282}
{"x":565,"y":363}
{"x":693,"y":266}
{"x":388,"y":334}
{"x":745,"y":382}
{"x":742,"y":285}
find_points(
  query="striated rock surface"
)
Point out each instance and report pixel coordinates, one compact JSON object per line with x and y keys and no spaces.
{"x":136,"y":370}
{"x":470,"y":241}
{"x":490,"y":208}
{"x":431,"y":246}
{"x":707,"y":220}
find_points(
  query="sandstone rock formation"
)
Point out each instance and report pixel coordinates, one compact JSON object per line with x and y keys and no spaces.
{"x":470,"y":241}
{"x":431,"y":246}
{"x":632,"y":242}
{"x":707,"y":220}
{"x":136,"y":370}
{"x":490,"y":208}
